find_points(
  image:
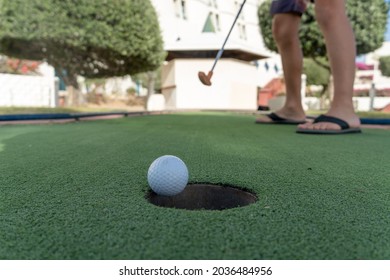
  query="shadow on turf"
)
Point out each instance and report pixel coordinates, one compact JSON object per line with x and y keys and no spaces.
{"x":204,"y":197}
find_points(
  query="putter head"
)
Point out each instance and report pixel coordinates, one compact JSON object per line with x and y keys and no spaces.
{"x":205,"y":79}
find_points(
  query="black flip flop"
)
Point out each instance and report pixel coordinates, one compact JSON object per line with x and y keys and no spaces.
{"x":275,"y":119}
{"x":345,"y":128}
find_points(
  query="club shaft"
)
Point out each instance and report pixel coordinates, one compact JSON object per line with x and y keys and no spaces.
{"x":220,"y":52}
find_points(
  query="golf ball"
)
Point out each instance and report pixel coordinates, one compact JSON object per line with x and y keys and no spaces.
{"x":168,"y":175}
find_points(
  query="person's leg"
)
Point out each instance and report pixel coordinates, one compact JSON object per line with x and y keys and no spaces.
{"x":340,"y":43}
{"x":285,"y":27}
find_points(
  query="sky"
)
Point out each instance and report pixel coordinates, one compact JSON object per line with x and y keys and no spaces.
{"x":387,"y":35}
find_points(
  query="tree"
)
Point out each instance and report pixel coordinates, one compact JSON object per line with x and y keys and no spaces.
{"x":316,"y":74}
{"x":144,"y":78}
{"x":368,"y":19}
{"x":4,"y":68}
{"x":384,"y":65}
{"x":91,"y":38}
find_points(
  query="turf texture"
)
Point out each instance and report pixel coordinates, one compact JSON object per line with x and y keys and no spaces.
{"x":77,"y":191}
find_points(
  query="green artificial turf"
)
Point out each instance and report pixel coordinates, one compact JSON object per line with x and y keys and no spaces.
{"x":77,"y":191}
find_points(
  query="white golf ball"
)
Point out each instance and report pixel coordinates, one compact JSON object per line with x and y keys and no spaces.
{"x":168,"y":175}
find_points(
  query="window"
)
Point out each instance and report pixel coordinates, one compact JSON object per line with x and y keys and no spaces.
{"x":212,"y":23}
{"x":183,"y":9}
{"x":213,"y":3}
{"x":209,"y":25}
{"x":237,"y":6}
{"x":217,"y":23}
{"x":180,"y":8}
{"x":242,"y":30}
{"x":241,"y":26}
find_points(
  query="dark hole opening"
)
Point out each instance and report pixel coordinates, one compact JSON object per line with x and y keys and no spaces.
{"x":206,"y":197}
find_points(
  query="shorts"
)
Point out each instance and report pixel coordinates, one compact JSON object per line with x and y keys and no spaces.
{"x":287,"y":6}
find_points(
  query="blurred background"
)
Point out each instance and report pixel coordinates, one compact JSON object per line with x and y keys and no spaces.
{"x":98,"y":55}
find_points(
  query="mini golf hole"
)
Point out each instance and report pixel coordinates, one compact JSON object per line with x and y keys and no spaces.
{"x":205,"y":197}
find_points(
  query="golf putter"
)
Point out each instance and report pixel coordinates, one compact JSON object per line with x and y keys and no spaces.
{"x":206,"y":79}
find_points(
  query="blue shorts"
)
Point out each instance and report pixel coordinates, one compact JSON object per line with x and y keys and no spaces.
{"x":287,"y":6}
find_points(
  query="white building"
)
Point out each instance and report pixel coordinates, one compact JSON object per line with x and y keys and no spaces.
{"x":29,"y":90}
{"x":372,"y":87}
{"x":193,"y":32}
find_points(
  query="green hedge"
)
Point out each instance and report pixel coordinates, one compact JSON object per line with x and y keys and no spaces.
{"x":92,"y":38}
{"x":384,"y":65}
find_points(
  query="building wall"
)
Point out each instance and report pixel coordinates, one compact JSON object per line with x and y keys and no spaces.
{"x":364,"y":103}
{"x":183,"y":90}
{"x":235,"y":82}
{"x":177,"y":25}
{"x":28,"y":91}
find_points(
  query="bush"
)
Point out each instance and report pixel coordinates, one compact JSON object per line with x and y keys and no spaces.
{"x":94,"y":39}
{"x":384,"y":65}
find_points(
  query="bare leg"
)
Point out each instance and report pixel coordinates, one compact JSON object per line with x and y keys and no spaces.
{"x":285,"y":29}
{"x":340,"y":43}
